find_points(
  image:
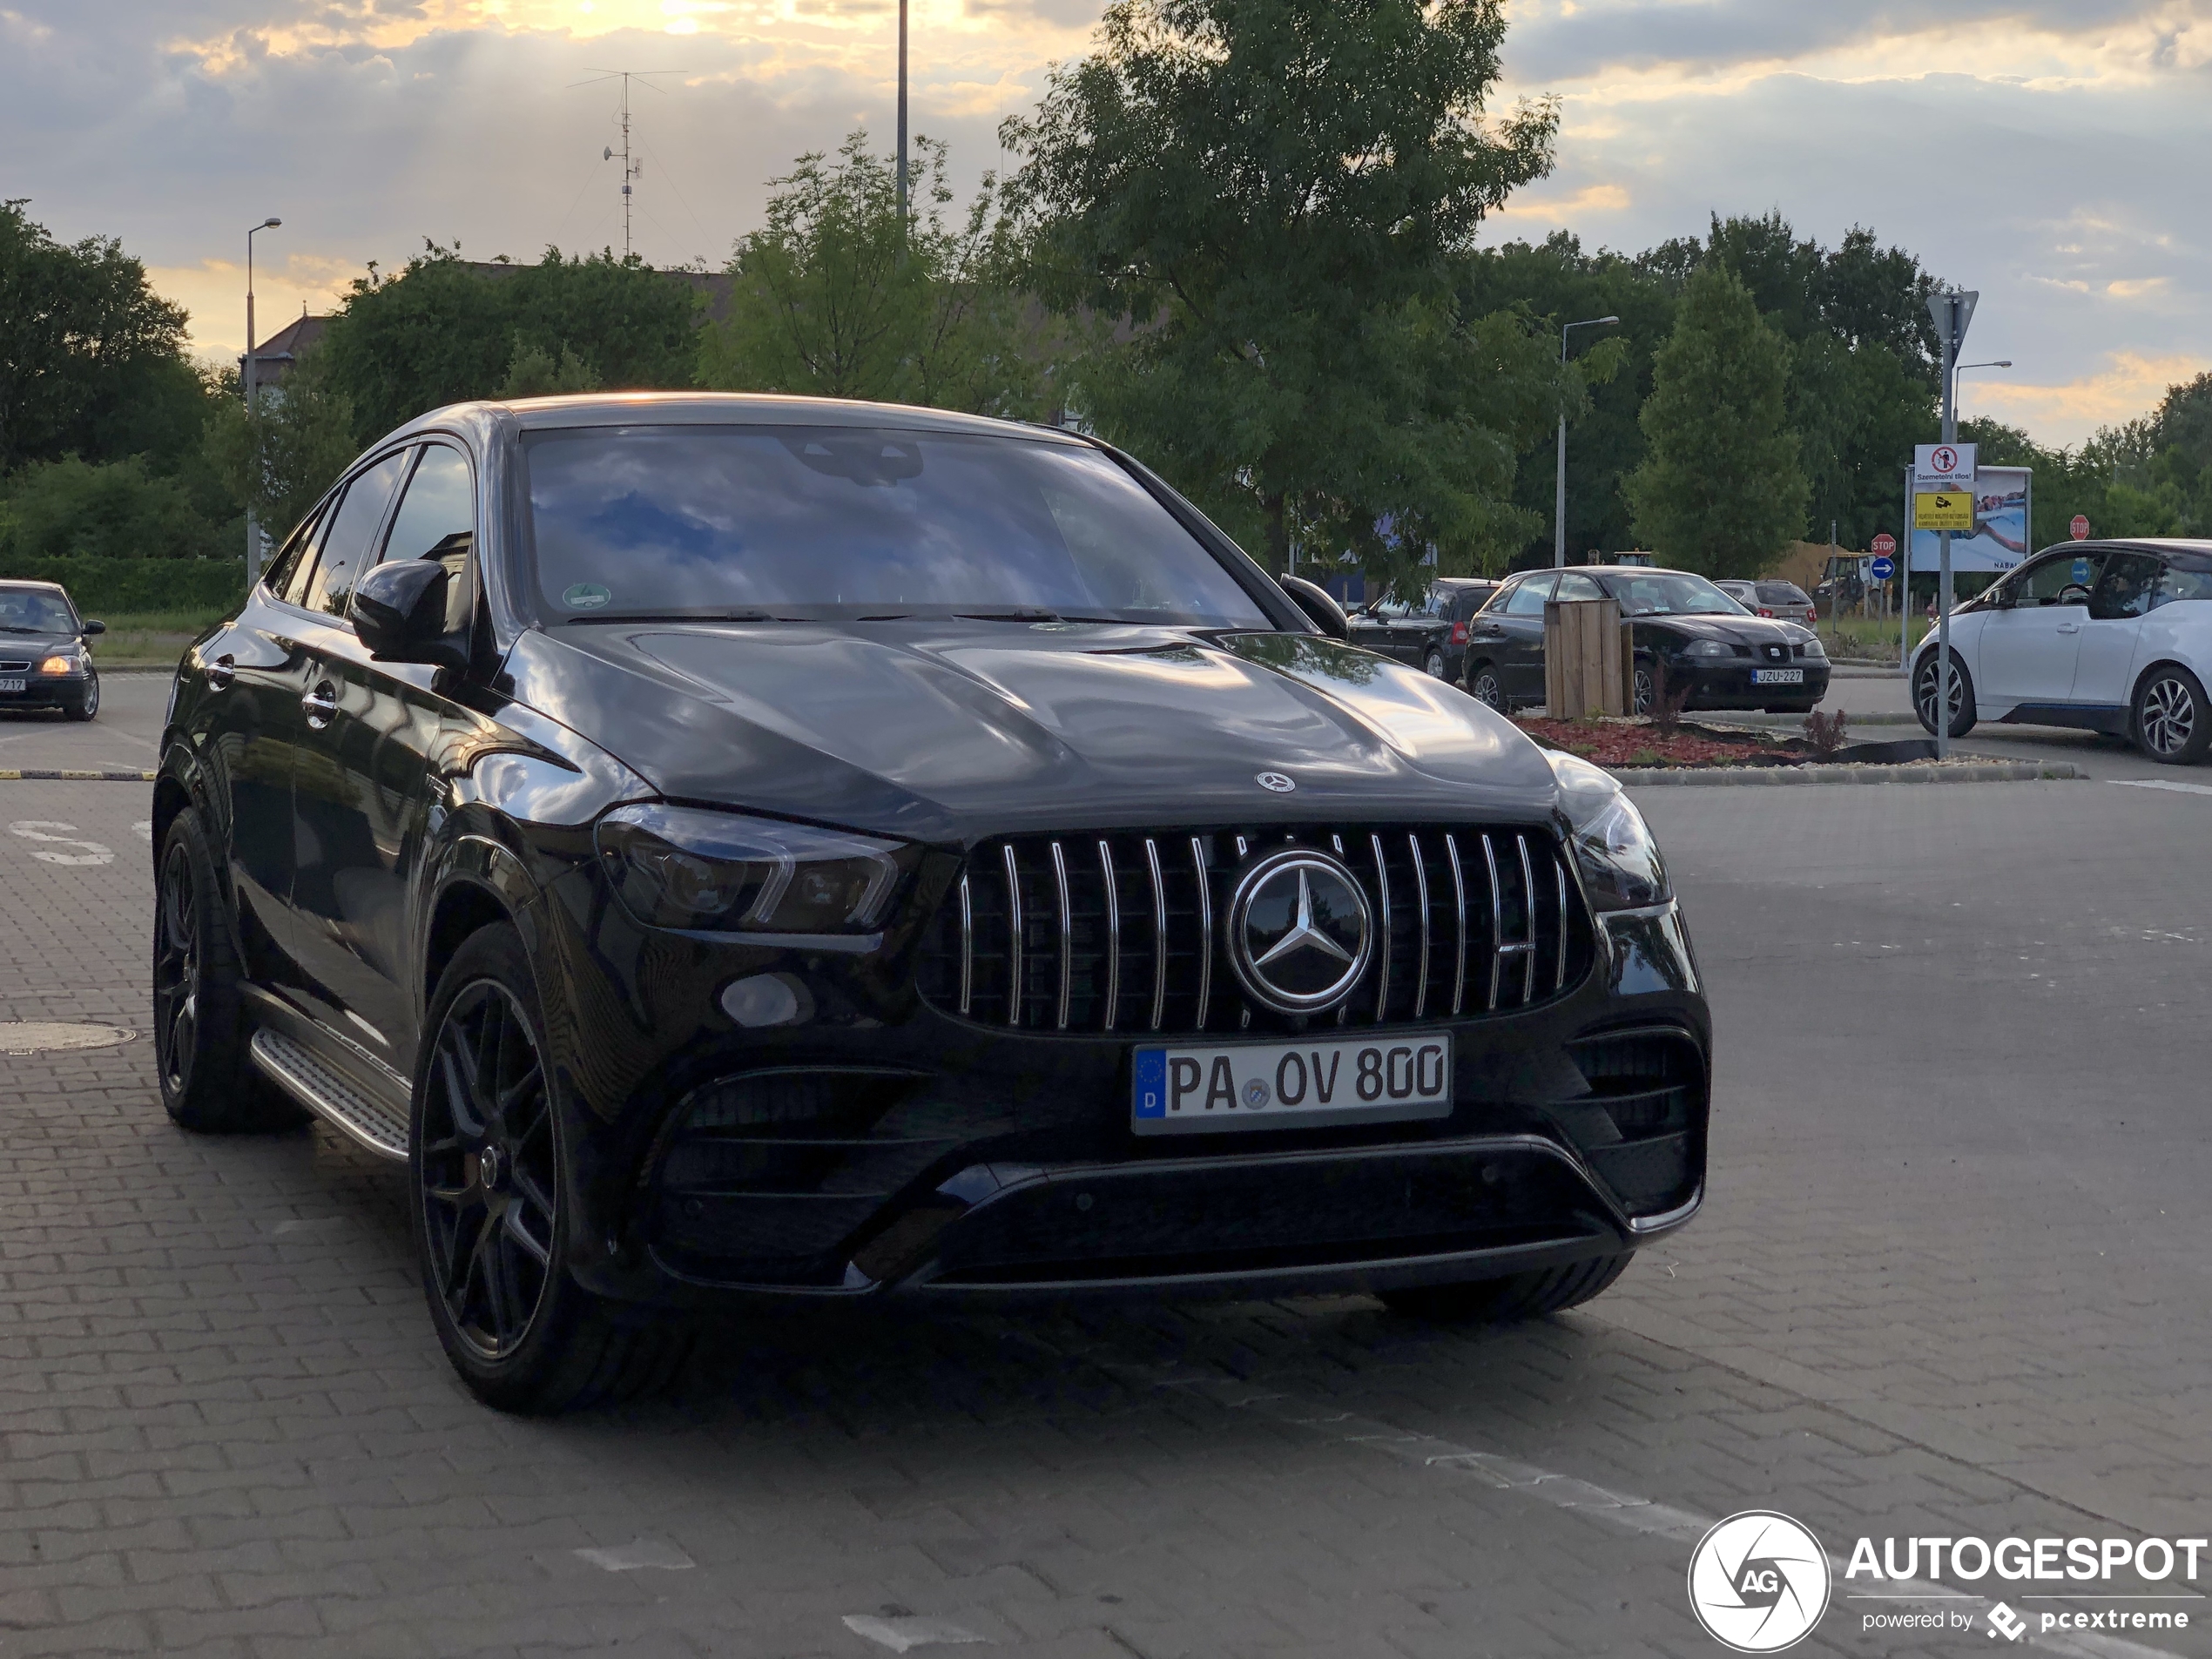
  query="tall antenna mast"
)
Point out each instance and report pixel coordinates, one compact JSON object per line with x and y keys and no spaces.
{"x":632,"y":167}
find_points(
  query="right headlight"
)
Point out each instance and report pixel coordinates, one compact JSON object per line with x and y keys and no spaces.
{"x":1707,"y":648}
{"x":681,"y":866}
{"x":1621,"y":866}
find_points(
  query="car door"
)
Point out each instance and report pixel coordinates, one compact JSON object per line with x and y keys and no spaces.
{"x":248,"y":727}
{"x":2025,"y":651}
{"x":330,"y":833}
{"x":1520,"y":649}
{"x":2126,"y":592}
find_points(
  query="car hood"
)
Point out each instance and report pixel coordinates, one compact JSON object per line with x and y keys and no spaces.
{"x":949,"y":731}
{"x":36,"y":646}
{"x":1753,"y":632}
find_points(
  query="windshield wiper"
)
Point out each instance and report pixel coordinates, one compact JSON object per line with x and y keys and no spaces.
{"x":670,"y":616}
{"x":10,"y":628}
{"x":1026,"y":613}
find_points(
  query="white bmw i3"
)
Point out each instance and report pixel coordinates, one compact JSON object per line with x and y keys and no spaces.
{"x":2107,"y":635}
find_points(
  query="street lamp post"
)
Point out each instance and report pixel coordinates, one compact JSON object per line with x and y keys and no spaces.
{"x":902,"y":120}
{"x":249,"y":384}
{"x":1559,"y":494}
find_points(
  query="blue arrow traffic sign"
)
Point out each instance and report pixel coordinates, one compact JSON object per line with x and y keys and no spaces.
{"x":1884,"y":566}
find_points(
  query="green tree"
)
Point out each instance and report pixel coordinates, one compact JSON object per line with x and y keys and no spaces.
{"x":119,"y":509}
{"x":446,"y":330}
{"x":1269,"y":197}
{"x":92,"y":361}
{"x":281,"y":463}
{"x":535,"y":371}
{"x":835,"y":297}
{"x":1720,"y":490}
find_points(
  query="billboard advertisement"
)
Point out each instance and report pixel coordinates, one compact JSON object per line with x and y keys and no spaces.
{"x":1999,"y":539}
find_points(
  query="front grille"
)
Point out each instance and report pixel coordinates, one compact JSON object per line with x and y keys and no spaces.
{"x":1124,"y":932}
{"x":14,"y":667}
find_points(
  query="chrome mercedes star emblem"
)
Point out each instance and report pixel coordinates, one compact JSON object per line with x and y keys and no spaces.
{"x":1275,"y":783}
{"x":1300,"y":933}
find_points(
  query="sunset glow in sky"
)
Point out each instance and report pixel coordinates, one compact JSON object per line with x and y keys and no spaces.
{"x":2050,"y":154}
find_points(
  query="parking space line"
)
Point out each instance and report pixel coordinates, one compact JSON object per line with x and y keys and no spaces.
{"x":1568,"y":1491}
{"x":2172,"y":784}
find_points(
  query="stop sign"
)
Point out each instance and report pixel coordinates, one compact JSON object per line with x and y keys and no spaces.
{"x":1884,"y":544}
{"x":2079,"y":527}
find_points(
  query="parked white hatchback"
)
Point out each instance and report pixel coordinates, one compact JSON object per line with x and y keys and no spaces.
{"x":2106,"y":636}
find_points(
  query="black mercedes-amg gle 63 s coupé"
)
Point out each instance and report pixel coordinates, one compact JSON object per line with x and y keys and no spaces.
{"x":733,"y":849}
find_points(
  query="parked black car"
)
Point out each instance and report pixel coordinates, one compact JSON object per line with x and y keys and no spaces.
{"x":44,"y":662}
{"x":1408,"y":632}
{"x":778,"y":848}
{"x":1455,"y":599}
{"x":1687,"y":633}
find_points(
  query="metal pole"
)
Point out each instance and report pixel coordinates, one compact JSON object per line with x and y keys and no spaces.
{"x":1943,"y":539}
{"x":253,"y":423}
{"x":1904,"y":590}
{"x":902,"y":118}
{"x":1559,"y":488}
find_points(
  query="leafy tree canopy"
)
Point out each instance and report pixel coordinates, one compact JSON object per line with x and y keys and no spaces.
{"x":1268,"y":196}
{"x":72,"y":508}
{"x":836,"y":297}
{"x":1719,"y":490}
{"x":92,"y":361}
{"x":280,"y":464}
{"x":446,"y":330}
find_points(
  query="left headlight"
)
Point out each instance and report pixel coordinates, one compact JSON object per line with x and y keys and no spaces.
{"x":1707,"y":648}
{"x":682,"y":867}
{"x":1620,"y":862}
{"x":60,"y":663}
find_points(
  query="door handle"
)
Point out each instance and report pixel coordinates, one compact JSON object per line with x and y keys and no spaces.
{"x":220,"y":673}
{"x":2069,"y":627}
{"x":319,"y":705}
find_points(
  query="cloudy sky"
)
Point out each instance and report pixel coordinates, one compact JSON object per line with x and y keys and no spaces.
{"x":2052,"y":153}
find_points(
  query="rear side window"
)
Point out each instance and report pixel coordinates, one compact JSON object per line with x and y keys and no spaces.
{"x":298,"y":552}
{"x":2186,"y":576}
{"x":1528,"y":599}
{"x":347,"y":549}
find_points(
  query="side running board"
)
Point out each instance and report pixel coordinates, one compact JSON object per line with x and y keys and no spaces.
{"x":330,"y":1095}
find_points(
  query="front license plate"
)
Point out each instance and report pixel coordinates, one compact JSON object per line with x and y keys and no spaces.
{"x":1190,"y":1089}
{"x":1777,"y":677}
{"x":13,"y":685}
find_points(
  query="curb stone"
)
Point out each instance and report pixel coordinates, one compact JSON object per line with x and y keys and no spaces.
{"x":1988,"y":772}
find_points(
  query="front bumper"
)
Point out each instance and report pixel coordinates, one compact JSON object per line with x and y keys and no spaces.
{"x":877,"y":1146}
{"x":45,"y":692}
{"x":1729,"y":685}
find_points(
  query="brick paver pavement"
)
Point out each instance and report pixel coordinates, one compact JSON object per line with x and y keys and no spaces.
{"x":225,"y":1426}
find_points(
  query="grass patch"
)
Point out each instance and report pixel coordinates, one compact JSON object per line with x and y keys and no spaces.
{"x":150,"y":638}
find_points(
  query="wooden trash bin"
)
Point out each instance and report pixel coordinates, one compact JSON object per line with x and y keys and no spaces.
{"x":1586,"y":659}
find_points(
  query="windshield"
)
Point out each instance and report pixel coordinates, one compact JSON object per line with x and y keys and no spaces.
{"x":36,"y":611}
{"x":1671,"y":593}
{"x":830,"y":521}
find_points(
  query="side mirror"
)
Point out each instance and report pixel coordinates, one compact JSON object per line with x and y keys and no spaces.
{"x":400,"y":613}
{"x":1313,"y":599}
{"x":92,"y":627}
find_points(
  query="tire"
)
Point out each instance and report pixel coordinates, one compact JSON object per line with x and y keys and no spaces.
{"x":1485,"y":687}
{"x":490,"y":1166}
{"x":1433,"y":664}
{"x":1519,"y":1295}
{"x":2171,"y":721}
{"x":91,"y":705}
{"x":1645,"y":689}
{"x":1925,"y":692}
{"x":200,"y":1030}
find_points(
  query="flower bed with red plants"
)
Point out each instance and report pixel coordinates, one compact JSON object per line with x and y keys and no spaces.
{"x":1639,"y":743}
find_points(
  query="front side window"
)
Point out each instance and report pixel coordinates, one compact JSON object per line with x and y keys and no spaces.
{"x":1670,"y":593}
{"x":349,"y":547}
{"x":823,"y":521}
{"x":2063,"y":579}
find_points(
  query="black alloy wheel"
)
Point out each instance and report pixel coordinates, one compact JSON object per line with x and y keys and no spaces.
{"x":2173,"y":723}
{"x":91,"y":705}
{"x":1517,"y":1296}
{"x":1484,"y":688}
{"x":1926,"y":691}
{"x":488,"y":1170}
{"x":200,"y":1029}
{"x":491,"y":1215}
{"x":1434,"y":663}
